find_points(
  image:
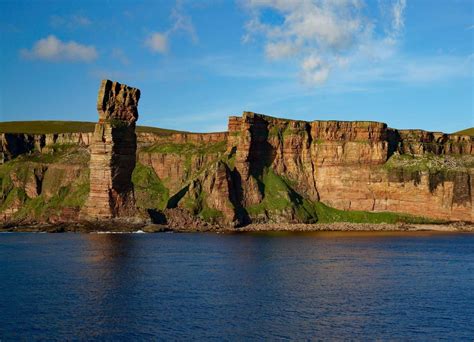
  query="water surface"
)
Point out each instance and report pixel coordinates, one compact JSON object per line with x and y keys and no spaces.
{"x":237,"y":286}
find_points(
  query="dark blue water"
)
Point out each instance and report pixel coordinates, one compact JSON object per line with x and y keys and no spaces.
{"x":256,"y":286}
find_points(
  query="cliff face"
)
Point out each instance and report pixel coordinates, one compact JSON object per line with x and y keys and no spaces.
{"x":45,"y":187}
{"x":268,"y":169}
{"x":14,"y":144}
{"x":263,"y":169}
{"x":357,"y":165}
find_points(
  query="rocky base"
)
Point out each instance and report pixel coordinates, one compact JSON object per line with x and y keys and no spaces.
{"x":114,"y":226}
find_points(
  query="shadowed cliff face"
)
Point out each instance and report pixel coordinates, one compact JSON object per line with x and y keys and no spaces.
{"x":263,"y":169}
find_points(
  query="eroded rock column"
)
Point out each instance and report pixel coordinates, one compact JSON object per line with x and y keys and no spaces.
{"x":113,"y":153}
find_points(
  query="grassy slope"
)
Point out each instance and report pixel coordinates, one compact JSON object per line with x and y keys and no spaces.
{"x":67,"y":193}
{"x":45,"y":127}
{"x":150,"y":192}
{"x":467,"y":131}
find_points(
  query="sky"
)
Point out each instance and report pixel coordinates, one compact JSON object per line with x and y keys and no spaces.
{"x":409,"y":63}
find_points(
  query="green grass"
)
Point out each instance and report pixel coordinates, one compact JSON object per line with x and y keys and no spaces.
{"x":274,"y":131}
{"x":58,"y":153}
{"x":66,"y":193}
{"x":77,"y":194}
{"x":50,"y":127}
{"x":467,"y":131}
{"x":72,"y":195}
{"x":229,"y":160}
{"x":188,"y":151}
{"x":45,"y":127}
{"x":195,"y":202}
{"x":187,"y":148}
{"x":280,"y":197}
{"x":430,"y":162}
{"x":15,"y":194}
{"x":211,"y":215}
{"x":150,"y":192}
{"x":328,"y":214}
{"x":156,"y":130}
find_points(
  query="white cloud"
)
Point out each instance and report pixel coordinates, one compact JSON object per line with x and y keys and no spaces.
{"x":398,"y":21}
{"x":157,"y":42}
{"x":182,"y":22}
{"x":322,"y":35}
{"x":53,"y":49}
{"x":70,"y":22}
{"x":314,"y":70}
{"x":279,"y":50}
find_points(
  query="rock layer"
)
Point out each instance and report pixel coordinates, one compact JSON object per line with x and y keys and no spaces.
{"x":113,"y":153}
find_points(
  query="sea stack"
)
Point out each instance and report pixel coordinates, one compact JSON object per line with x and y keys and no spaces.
{"x":113,"y":153}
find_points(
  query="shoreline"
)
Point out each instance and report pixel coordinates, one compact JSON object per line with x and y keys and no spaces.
{"x":113,"y":227}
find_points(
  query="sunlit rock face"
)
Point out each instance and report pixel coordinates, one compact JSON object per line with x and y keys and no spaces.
{"x":117,"y":101}
{"x":113,"y":153}
{"x":348,"y":165}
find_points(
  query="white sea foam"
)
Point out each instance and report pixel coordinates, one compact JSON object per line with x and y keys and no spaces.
{"x":112,"y":232}
{"x":108,"y":232}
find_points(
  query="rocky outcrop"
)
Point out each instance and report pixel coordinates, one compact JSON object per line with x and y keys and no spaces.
{"x":113,"y":153}
{"x":416,"y":141}
{"x":15,"y":144}
{"x":149,"y":139}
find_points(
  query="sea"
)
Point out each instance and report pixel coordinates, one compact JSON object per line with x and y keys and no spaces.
{"x":234,"y":287}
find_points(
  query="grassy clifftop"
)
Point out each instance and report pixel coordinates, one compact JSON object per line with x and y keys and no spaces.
{"x":467,"y":131}
{"x":50,"y":127}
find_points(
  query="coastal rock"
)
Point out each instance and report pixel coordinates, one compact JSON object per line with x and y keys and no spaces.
{"x":113,"y":153}
{"x":117,"y":101}
{"x":211,"y":195}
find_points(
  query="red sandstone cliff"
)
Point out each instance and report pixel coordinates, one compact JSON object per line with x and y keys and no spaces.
{"x":344,"y":164}
{"x":264,"y":169}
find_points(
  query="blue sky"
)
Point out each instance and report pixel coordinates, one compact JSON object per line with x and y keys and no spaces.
{"x":408,"y":63}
